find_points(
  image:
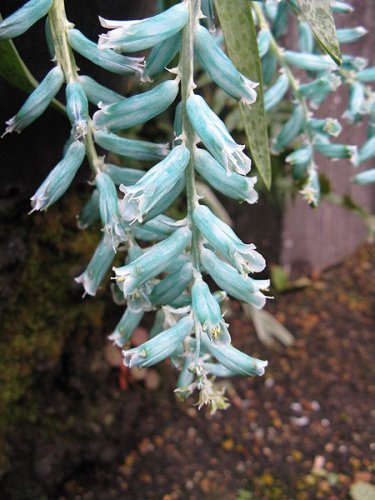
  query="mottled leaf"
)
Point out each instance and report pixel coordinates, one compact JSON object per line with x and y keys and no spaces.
{"x":240,"y":37}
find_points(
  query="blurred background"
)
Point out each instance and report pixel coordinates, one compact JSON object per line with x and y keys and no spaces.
{"x":75,"y":423}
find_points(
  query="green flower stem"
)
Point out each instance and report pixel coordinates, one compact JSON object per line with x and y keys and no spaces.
{"x":60,"y":25}
{"x":186,"y":72}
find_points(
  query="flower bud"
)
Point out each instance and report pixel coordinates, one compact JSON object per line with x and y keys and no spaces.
{"x":156,"y":229}
{"x":60,"y":178}
{"x":125,"y":328}
{"x":275,"y":94}
{"x":159,"y":347}
{"x":221,"y":69}
{"x":342,"y":7}
{"x":107,"y":59}
{"x":216,"y":137}
{"x":306,"y":40}
{"x":224,"y":240}
{"x":37,"y":102}
{"x":366,"y":177}
{"x":137,"y":109}
{"x":77,"y":109}
{"x":27,"y":15}
{"x":123,"y":175}
{"x":291,"y":129}
{"x":309,"y":62}
{"x":366,"y":75}
{"x":132,"y":36}
{"x":335,"y":151}
{"x":350,"y":35}
{"x":366,"y":151}
{"x":171,"y":287}
{"x":109,"y":210}
{"x":263,"y":40}
{"x":90,"y":212}
{"x":131,"y":148}
{"x":356,"y":104}
{"x":98,"y":266}
{"x":97,"y":93}
{"x":160,"y":56}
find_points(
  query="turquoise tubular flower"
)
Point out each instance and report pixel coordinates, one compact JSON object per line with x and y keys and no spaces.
{"x":353,"y":63}
{"x":311,"y":189}
{"x":156,"y":184}
{"x":263,"y":40}
{"x":37,"y":102}
{"x":216,"y":137}
{"x":367,"y":151}
{"x":300,"y":161}
{"x":19,"y":22}
{"x":60,"y":178}
{"x":356,"y":105}
{"x":350,"y":35}
{"x":238,"y":187}
{"x":137,"y":109}
{"x":306,"y":40}
{"x":366,"y":75}
{"x":229,"y":279}
{"x":166,"y":200}
{"x":90,"y":212}
{"x":97,"y":93}
{"x":309,"y":62}
{"x":123,"y":175}
{"x":132,"y":36}
{"x":280,"y":23}
{"x":126,"y":327}
{"x":109,"y":209}
{"x":49,"y":39}
{"x":269,"y":67}
{"x":221,"y":69}
{"x":236,"y":361}
{"x":327,"y":126}
{"x":366,"y":177}
{"x":160,"y":56}
{"x":342,"y":7}
{"x":171,"y":287}
{"x":157,"y":229}
{"x":107,"y":59}
{"x":320,"y":88}
{"x":291,"y":129}
{"x":98,"y":266}
{"x":275,"y":94}
{"x":336,"y":151}
{"x":152,"y":262}
{"x":77,"y":109}
{"x":224,"y":240}
{"x":208,"y":314}
{"x":131,"y":148}
{"x":218,"y":370}
{"x":207,"y":7}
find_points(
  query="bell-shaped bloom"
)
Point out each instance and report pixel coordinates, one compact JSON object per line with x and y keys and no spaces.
{"x":77,"y":109}
{"x":143,"y":196}
{"x":264,"y":41}
{"x":318,"y":89}
{"x":208,"y":314}
{"x":97,"y":93}
{"x":160,"y":56}
{"x":292,"y":128}
{"x":326,"y":126}
{"x":153,"y":261}
{"x":126,"y":327}
{"x":353,"y":63}
{"x":300,"y":160}
{"x":236,"y":361}
{"x":235,"y":186}
{"x":107,"y":59}
{"x":156,"y":229}
{"x":123,"y":175}
{"x":242,"y":256}
{"x":60,"y":178}
{"x":16,"y":24}
{"x":132,"y":36}
{"x":98,"y":266}
{"x":90,"y":212}
{"x":275,"y":94}
{"x":309,"y":62}
{"x":350,"y":35}
{"x":109,"y":208}
{"x":311,"y":189}
{"x":335,"y":151}
{"x":137,"y":109}
{"x":215,"y":136}
{"x":172,"y":286}
{"x":159,"y":347}
{"x":38,"y":101}
{"x":229,"y":279}
{"x":131,"y":148}
{"x":221,"y":69}
{"x":366,"y":177}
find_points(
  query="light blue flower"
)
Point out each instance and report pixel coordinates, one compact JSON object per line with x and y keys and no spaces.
{"x":242,"y":256}
{"x":123,"y":175}
{"x":280,"y":22}
{"x":146,"y":194}
{"x":153,"y":261}
{"x":172,"y":286}
{"x":20,"y":21}
{"x":139,"y":299}
{"x":216,"y":137}
{"x":356,"y":104}
{"x":306,"y":40}
{"x":336,"y":151}
{"x":263,"y":40}
{"x":159,"y":347}
{"x":221,"y":69}
{"x":237,"y":187}
{"x":126,"y":327}
{"x":229,"y":279}
{"x":366,"y":75}
{"x":38,"y":101}
{"x":109,"y":209}
{"x":353,"y":63}
{"x":207,"y":7}
{"x":160,"y":56}
{"x":208,"y":314}
{"x":156,"y":229}
{"x":275,"y":94}
{"x":366,"y":151}
{"x":311,"y":188}
{"x":342,"y":7}
{"x":137,"y":109}
{"x":318,"y":89}
{"x":132,"y":36}
{"x":98,"y":266}
{"x":97,"y":93}
{"x":107,"y":59}
{"x":292,"y":128}
{"x":90,"y":212}
{"x":309,"y":62}
{"x":328,"y":126}
{"x":131,"y":148}
{"x":350,"y":35}
{"x":77,"y":109}
{"x":366,"y":177}
{"x":60,"y":178}
{"x":300,"y":160}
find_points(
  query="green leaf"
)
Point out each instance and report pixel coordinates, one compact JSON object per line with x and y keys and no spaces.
{"x":318,"y":14}
{"x":15,"y":71}
{"x":240,"y":37}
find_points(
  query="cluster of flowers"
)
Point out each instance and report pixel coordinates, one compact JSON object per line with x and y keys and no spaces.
{"x":169,"y":274}
{"x":302,"y":132}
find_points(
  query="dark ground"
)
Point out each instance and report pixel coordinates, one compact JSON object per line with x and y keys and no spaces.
{"x":305,"y":430}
